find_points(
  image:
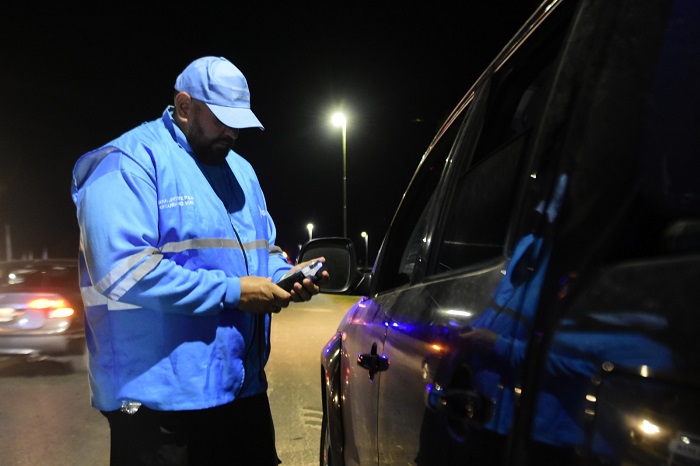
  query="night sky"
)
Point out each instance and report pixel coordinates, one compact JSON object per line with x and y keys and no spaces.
{"x":72,"y":79}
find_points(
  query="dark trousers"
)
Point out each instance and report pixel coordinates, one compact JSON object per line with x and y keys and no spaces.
{"x":238,"y":433}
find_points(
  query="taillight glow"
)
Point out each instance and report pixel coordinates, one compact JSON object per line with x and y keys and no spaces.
{"x":61,"y":312}
{"x":56,"y":308}
{"x":45,"y":303}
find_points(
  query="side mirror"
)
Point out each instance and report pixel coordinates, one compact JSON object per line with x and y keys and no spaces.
{"x":341,"y":264}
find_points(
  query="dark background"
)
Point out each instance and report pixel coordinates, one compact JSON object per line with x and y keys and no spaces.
{"x":74,"y":78}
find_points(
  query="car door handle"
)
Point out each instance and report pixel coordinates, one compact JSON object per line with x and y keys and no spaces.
{"x":373,"y":362}
{"x":461,"y":404}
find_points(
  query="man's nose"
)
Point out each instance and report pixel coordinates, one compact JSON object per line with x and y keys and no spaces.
{"x":233,"y":132}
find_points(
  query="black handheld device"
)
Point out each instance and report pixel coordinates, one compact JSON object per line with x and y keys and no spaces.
{"x":312,"y":271}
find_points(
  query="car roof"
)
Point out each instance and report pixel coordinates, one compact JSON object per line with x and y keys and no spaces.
{"x":39,"y":262}
{"x":30,"y":273}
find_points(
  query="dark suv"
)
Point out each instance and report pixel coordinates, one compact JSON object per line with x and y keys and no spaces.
{"x":536,"y":298}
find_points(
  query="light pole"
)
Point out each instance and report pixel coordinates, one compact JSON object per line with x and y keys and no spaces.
{"x":366,"y":237}
{"x":310,"y":227}
{"x":339,"y":119}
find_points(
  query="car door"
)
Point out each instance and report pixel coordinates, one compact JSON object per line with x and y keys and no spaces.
{"x":614,"y":377}
{"x":455,"y":265}
{"x":368,"y":324}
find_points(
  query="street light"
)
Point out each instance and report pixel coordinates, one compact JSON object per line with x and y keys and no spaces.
{"x":366,"y":237}
{"x":339,"y":119}
{"x":310,"y":227}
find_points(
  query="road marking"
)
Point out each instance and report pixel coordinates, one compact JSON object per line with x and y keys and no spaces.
{"x":312,"y":417}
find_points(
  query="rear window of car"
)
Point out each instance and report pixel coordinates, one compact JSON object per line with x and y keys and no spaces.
{"x":18,"y":277}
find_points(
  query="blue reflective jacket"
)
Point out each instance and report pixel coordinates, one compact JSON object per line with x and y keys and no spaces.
{"x":160,"y":259}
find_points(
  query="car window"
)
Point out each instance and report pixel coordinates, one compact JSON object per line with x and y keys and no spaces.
{"x":412,"y":253}
{"x":485,"y":193}
{"x":406,"y":238}
{"x":31,"y":276}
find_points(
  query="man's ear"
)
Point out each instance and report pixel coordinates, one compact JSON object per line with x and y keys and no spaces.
{"x":183,"y":105}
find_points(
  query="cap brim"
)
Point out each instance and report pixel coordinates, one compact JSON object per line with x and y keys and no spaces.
{"x":236,"y":117}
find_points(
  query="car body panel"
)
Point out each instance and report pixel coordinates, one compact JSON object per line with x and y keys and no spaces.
{"x":423,"y":327}
{"x":365,"y":328}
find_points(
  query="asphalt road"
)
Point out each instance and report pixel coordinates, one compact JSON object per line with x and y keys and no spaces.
{"x":298,"y":335}
{"x":46,"y":419}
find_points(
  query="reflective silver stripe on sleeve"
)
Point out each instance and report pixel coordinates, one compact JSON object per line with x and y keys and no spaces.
{"x":122,"y":269}
{"x":201,"y":244}
{"x":126,"y":276}
{"x":217,"y":243}
{"x":275,"y":250}
{"x":257,"y":244}
{"x":91,"y":297}
{"x":134,"y":276}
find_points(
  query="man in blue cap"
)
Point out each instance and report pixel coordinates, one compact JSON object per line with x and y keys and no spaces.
{"x":178,"y":272}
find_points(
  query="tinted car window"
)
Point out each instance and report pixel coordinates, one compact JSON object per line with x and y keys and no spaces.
{"x":476,"y":223}
{"x":403,"y":246}
{"x":20,"y":277}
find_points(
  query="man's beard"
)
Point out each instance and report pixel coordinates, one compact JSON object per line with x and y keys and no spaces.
{"x":213,"y":151}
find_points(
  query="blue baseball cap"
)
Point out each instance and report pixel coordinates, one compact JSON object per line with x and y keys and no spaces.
{"x":218,"y":83}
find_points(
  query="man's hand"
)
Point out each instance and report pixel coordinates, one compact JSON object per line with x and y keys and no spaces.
{"x":305,"y":290}
{"x":260,"y":296}
{"x":479,"y":338}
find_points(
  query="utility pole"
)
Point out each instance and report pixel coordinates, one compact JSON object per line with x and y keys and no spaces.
{"x":8,"y":243}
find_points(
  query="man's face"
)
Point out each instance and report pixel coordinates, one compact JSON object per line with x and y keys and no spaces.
{"x":209,"y":138}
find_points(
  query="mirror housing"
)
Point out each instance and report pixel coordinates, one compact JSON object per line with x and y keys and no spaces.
{"x":341,"y":264}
